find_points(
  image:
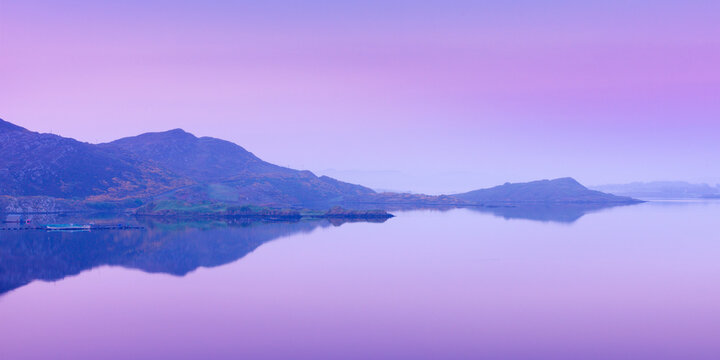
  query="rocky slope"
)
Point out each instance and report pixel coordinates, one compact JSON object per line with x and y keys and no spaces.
{"x":225,"y":172}
{"x":203,"y":159}
{"x":34,"y":164}
{"x":172,"y":165}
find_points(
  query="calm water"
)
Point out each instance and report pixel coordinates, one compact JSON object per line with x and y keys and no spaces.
{"x":637,"y":282}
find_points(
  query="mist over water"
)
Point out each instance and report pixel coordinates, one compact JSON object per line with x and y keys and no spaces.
{"x":634,"y":282}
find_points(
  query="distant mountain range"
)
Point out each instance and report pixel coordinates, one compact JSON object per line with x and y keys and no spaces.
{"x":177,"y":171}
{"x":663,"y":190}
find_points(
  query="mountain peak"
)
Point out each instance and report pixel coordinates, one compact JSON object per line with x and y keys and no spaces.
{"x":172,"y":136}
{"x":566,"y":180}
{"x":201,"y":159}
{"x":175,"y":133}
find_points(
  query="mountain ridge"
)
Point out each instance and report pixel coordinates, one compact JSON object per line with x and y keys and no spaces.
{"x":188,"y":155}
{"x":175,"y":169}
{"x":37,"y":164}
{"x":157,"y":164}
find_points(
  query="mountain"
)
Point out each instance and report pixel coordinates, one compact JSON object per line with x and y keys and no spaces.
{"x":558,"y":191}
{"x":202,"y":159}
{"x":175,"y":170}
{"x":226,"y":172}
{"x":170,"y":166}
{"x":662,"y":190}
{"x":49,"y":165}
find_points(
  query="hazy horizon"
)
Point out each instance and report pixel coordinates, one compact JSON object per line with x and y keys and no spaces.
{"x":446,"y":180}
{"x":430,"y":97}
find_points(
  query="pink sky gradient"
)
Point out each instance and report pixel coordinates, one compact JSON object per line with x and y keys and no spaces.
{"x":423,"y":96}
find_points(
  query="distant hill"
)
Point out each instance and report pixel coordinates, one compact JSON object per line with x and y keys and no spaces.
{"x":663,"y":190}
{"x":172,"y":165}
{"x":557,"y":191}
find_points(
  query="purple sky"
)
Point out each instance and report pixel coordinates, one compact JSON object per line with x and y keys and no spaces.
{"x":406,"y":95}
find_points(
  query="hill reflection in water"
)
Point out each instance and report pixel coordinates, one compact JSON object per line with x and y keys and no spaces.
{"x":559,"y":213}
{"x":169,"y":247}
{"x":566,"y":213}
{"x":179,"y":247}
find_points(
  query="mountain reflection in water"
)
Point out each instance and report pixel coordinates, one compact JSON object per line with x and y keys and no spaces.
{"x":169,"y":247}
{"x":179,"y":247}
{"x":545,"y":212}
{"x":565,"y":213}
